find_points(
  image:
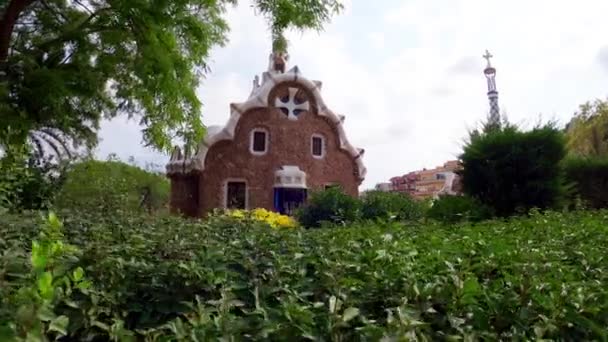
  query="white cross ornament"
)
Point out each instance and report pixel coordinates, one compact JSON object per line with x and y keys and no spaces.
{"x":291,"y":106}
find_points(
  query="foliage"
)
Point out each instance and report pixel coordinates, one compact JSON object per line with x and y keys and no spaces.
{"x":380,"y":205}
{"x":590,"y":178}
{"x":50,"y":283}
{"x":274,"y":220}
{"x":49,"y":145}
{"x":302,"y":14}
{"x":511,"y":170}
{"x":587,"y":132}
{"x":452,"y":209}
{"x":535,"y":278}
{"x":110,"y":186}
{"x":66,"y":65}
{"x":329,"y":206}
{"x":28,"y":183}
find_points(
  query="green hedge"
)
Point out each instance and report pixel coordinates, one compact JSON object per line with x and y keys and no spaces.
{"x":380,"y":205}
{"x":111,"y":186}
{"x":452,"y":209}
{"x":166,"y":279}
{"x":330,"y":206}
{"x":333,"y":207}
{"x":589,"y":176}
{"x":513,"y":171}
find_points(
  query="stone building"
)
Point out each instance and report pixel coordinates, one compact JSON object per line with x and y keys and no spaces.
{"x":441,"y":180}
{"x":277,"y":146}
{"x":430,"y":183}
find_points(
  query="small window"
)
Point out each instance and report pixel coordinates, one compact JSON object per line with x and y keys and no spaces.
{"x":259,"y":141}
{"x":236,"y":195}
{"x":318,"y":148}
{"x":440,"y":176}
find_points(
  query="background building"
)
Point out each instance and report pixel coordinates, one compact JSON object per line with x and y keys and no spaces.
{"x":386,"y":187}
{"x":429,"y":183}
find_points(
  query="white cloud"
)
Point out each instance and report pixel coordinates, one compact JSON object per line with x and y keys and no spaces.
{"x":377,"y":40}
{"x":602,"y":57}
{"x":412,"y":84}
{"x":468,"y":65}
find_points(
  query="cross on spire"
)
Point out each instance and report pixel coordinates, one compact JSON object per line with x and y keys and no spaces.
{"x":487,"y":56}
{"x":490,"y":73}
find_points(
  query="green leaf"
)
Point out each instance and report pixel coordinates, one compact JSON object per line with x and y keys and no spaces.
{"x":78,"y":274}
{"x":101,"y":325}
{"x":84,"y":285}
{"x":45,"y":285}
{"x":53,"y":220}
{"x":46,"y":314}
{"x":38,"y":256}
{"x":332,"y":304}
{"x":60,"y":325}
{"x":471,"y":286}
{"x":349,"y":314}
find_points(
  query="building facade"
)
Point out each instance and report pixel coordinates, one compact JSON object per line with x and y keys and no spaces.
{"x":429,"y":183}
{"x":276,"y":147}
{"x":438,"y":181}
{"x":405,"y":183}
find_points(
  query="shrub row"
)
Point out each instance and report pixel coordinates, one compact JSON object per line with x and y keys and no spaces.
{"x":133,"y":278}
{"x":453,"y":209}
{"x":111,"y":186}
{"x":513,"y":171}
{"x":332,"y":206}
{"x":589,"y":178}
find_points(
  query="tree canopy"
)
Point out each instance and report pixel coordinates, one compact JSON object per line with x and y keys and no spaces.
{"x":510,"y":170}
{"x":68,"y":64}
{"x":587,"y":132}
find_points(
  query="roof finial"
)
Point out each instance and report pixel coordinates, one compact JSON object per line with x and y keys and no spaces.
{"x":487,"y":56}
{"x":278,"y":62}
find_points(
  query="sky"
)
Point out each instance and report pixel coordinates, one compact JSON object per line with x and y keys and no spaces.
{"x":408,"y":74}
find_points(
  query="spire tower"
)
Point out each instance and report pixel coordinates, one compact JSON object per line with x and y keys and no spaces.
{"x":490,"y":72}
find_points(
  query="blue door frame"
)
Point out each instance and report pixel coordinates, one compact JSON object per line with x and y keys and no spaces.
{"x":287,"y":199}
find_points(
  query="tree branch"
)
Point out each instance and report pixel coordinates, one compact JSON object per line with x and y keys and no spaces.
{"x":7,"y":24}
{"x":74,"y":30}
{"x":86,"y":8}
{"x":51,"y":9}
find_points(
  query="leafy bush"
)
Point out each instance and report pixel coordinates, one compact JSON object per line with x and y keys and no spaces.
{"x":171,"y":279}
{"x":380,"y":205}
{"x":590,"y":179}
{"x":28,"y":184}
{"x":588,"y":130}
{"x":331,"y":206}
{"x":111,"y":186}
{"x":51,"y":283}
{"x":511,"y":170}
{"x":452,"y":209}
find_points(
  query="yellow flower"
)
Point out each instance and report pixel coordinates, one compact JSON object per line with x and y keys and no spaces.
{"x":274,"y":220}
{"x":238,"y":213}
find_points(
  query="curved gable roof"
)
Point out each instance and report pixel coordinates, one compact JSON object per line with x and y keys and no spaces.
{"x":259,"y":98}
